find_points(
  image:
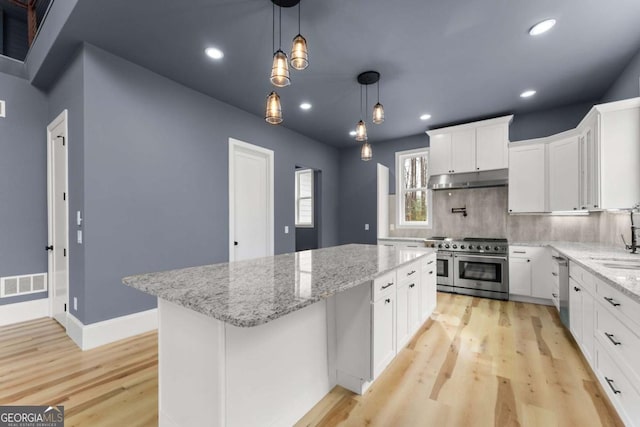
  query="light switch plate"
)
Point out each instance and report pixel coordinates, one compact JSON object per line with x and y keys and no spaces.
{"x":3,"y":112}
{"x":75,"y":303}
{"x":286,"y":229}
{"x":78,"y":218}
{"x":366,"y":227}
{"x":79,"y":237}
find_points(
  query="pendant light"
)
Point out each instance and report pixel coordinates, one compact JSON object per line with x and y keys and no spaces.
{"x":361,"y":128}
{"x":366,"y":153}
{"x":280,"y":67}
{"x":378,"y":110}
{"x":273,"y":114}
{"x":299,"y":52}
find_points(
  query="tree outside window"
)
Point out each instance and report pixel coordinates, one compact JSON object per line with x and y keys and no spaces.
{"x":413,"y":195}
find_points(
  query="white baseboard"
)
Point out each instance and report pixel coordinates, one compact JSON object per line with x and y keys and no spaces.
{"x":112,"y":330}
{"x":23,"y":311}
{"x":532,"y":300}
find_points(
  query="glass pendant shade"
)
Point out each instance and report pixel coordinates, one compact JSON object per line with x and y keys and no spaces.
{"x":299,"y":53}
{"x":378,"y":114}
{"x":361,"y":131}
{"x":280,"y":70}
{"x":274,"y":110}
{"x":366,"y":153}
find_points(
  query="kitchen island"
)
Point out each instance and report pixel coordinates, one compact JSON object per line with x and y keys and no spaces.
{"x":259,"y":342}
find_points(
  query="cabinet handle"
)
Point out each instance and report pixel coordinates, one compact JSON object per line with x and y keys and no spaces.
{"x":610,"y":382}
{"x":554,"y":295}
{"x":430,"y":262}
{"x":577,"y":289}
{"x":510,"y":210}
{"x":519,"y":252}
{"x":387,"y":285}
{"x":411,"y":272}
{"x":387,"y":301}
{"x":612,"y":302}
{"x":412,"y":285}
{"x":610,"y":336}
{"x":575,"y":209}
{"x":528,"y":260}
{"x":583,"y":208}
{"x":553,"y":273}
{"x":431,"y":272}
{"x":595,"y":206}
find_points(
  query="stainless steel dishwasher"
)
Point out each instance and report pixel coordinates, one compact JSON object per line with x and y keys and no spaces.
{"x":563,"y":281}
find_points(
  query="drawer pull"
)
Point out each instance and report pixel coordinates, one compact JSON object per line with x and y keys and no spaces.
{"x":577,"y":289}
{"x":610,"y":382}
{"x":411,"y":272}
{"x":387,"y":285}
{"x":612,"y":302}
{"x":430,"y":262}
{"x":519,"y":252}
{"x":412,"y":285}
{"x":387,"y":301}
{"x":555,"y":295}
{"x":431,"y":272}
{"x":553,"y":273}
{"x":610,"y":336}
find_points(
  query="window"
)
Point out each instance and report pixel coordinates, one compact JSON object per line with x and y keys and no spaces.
{"x":412,"y":194}
{"x":304,"y":198}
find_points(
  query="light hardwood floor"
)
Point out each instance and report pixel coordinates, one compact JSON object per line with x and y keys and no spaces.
{"x":476,"y":363}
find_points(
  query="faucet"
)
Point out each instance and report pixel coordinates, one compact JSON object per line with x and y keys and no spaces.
{"x":633,"y":247}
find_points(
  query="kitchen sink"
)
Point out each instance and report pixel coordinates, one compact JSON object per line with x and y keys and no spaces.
{"x":610,"y":259}
{"x":627,"y":265}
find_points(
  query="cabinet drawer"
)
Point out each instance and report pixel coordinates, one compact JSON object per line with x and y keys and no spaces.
{"x":383,"y":284}
{"x":429,"y":263}
{"x":618,"y":339}
{"x":617,"y":385}
{"x":582,"y":276}
{"x":617,"y":302}
{"x":409,"y":272}
{"x":520,"y":251}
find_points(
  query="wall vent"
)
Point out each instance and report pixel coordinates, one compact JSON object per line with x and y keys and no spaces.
{"x":2,"y":108}
{"x":23,"y":285}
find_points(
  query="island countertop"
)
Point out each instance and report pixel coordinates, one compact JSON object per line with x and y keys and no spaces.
{"x":253,"y":292}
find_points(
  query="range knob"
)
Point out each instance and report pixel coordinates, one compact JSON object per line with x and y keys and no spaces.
{"x":470,"y":247}
{"x":487,"y":248}
{"x":497,"y":248}
{"x":440,"y":245}
{"x":446,"y":246}
{"x":461,"y":246}
{"x":455,"y":246}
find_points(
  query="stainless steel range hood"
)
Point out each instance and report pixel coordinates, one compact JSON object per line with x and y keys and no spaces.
{"x":494,"y":178}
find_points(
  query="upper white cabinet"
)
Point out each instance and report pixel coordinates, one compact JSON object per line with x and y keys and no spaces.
{"x":564,"y":175}
{"x":470,"y":147}
{"x":527,"y":178}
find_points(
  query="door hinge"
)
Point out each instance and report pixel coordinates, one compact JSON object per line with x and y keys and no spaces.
{"x":64,"y":252}
{"x":64,"y":196}
{"x":65,"y":307}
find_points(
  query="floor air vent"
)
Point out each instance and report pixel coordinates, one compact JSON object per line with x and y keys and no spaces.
{"x":22,"y":285}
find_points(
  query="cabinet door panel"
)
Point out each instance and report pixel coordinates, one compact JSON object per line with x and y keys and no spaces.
{"x":588,"y":325}
{"x":491,"y":147}
{"x":384,"y":343}
{"x":542,"y":281}
{"x":413,"y":305}
{"x":527,"y":179}
{"x":463,"y":151}
{"x":440,"y":154}
{"x":575,"y":310}
{"x":402,"y":316}
{"x":520,"y":276}
{"x":428,"y":288}
{"x":564,"y":175}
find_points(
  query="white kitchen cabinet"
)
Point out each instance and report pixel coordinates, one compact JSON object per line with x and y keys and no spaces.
{"x":575,"y":310}
{"x":403,"y":332}
{"x":470,"y":147}
{"x":492,"y":147}
{"x":428,"y":286}
{"x":520,"y":276}
{"x":463,"y":151}
{"x":440,"y":154}
{"x":384,"y":332}
{"x":564,"y":174}
{"x":530,"y":272}
{"x":527,"y":178}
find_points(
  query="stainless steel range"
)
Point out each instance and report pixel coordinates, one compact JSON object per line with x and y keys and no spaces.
{"x":473,"y":266}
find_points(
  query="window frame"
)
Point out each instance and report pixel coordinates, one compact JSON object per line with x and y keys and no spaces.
{"x":400,"y":191}
{"x":299,"y":224}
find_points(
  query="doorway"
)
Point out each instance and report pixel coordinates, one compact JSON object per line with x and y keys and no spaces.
{"x":58,"y":217}
{"x":308,"y":183}
{"x":251,"y":204}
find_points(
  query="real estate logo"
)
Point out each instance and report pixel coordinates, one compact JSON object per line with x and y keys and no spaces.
{"x":32,"y":416}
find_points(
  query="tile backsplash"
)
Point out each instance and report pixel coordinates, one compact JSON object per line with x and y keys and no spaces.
{"x":487,"y":217}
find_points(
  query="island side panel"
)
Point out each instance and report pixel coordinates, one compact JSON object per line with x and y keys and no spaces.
{"x":278,"y":371}
{"x":191,"y":352}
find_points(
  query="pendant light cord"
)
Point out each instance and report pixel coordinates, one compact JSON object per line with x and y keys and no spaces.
{"x":280,"y":27}
{"x":273,"y":27}
{"x":299,"y":6}
{"x":360,"y":102}
{"x":366,"y":96}
{"x":378,"y":91}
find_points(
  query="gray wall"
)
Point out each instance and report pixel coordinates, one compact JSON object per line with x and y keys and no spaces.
{"x":358,"y":179}
{"x":68,"y":93}
{"x":155,"y":177}
{"x":627,"y":85}
{"x":23,"y":191}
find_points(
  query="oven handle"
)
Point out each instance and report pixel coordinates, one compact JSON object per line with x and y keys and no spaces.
{"x":481,"y":256}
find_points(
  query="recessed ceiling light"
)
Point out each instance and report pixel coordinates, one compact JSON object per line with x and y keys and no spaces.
{"x":305,"y":106}
{"x":214,"y":53}
{"x":352,"y":133}
{"x":425,"y":117}
{"x":542,"y":27}
{"x":527,"y":93}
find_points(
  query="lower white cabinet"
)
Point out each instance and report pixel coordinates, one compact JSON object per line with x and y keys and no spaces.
{"x":375,"y":320}
{"x":530,"y":272}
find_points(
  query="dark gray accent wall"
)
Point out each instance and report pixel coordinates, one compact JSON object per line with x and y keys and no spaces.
{"x":548,"y":122}
{"x":156,"y":179}
{"x":68,"y":93}
{"x":23,"y":191}
{"x":627,"y":85}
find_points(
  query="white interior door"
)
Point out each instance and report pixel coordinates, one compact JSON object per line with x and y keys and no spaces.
{"x":250,"y":201}
{"x":383,"y":201}
{"x":58,"y":214}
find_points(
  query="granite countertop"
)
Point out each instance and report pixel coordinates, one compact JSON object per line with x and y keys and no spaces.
{"x":403,"y":239}
{"x":626,"y":281}
{"x":252,"y":292}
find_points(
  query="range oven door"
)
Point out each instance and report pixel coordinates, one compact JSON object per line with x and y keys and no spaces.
{"x":445,"y":270}
{"x":481,"y":272}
